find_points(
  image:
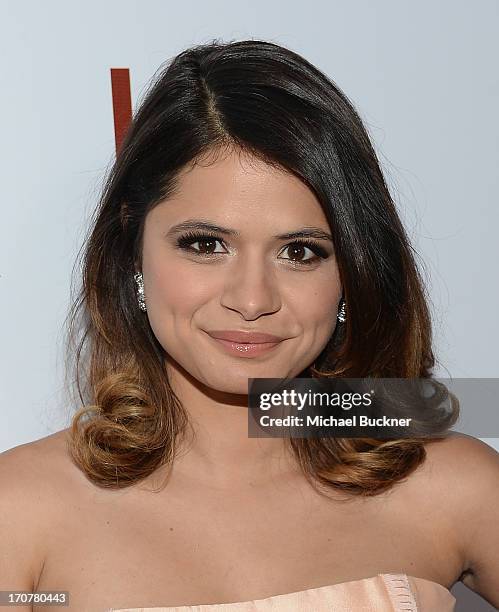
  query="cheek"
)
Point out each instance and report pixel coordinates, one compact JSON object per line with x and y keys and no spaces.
{"x":322,"y":315}
{"x":173,"y":290}
{"x":318,"y":303}
{"x":170,"y":303}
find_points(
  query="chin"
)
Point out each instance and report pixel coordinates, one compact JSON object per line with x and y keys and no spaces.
{"x":236,"y":388}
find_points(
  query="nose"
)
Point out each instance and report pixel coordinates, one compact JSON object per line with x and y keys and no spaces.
{"x":251,"y":288}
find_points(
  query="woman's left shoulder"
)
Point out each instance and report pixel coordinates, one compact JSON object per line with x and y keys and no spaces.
{"x":463,"y":474}
{"x":466,"y":469}
{"x":457,"y":444}
{"x":465,"y":460}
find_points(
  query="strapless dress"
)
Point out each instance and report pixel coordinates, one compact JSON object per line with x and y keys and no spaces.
{"x":381,"y":593}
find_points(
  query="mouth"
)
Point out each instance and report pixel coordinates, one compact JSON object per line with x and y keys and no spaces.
{"x":245,"y":349}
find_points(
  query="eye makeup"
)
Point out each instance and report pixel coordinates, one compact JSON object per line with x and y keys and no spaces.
{"x":185,"y":242}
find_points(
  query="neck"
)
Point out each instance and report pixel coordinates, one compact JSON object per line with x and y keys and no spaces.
{"x":219,"y":451}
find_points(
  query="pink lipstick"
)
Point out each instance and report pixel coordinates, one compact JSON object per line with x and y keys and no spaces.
{"x":245,"y":343}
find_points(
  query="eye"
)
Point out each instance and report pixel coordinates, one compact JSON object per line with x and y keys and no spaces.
{"x":298,"y":249}
{"x":206,"y":247}
{"x":205,"y":241}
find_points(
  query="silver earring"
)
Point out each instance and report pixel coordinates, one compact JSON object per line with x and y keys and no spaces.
{"x":342,"y":313}
{"x":140,"y":290}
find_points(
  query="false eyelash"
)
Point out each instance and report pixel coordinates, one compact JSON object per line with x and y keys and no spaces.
{"x":184,"y":242}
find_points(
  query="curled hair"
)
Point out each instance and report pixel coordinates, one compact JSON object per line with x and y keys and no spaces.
{"x":260,"y":98}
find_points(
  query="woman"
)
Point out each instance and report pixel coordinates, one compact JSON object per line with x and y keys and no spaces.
{"x":246,"y":206}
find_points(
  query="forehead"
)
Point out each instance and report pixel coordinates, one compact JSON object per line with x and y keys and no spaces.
{"x":240,"y":188}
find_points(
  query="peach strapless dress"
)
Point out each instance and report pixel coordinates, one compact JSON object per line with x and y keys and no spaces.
{"x":381,"y":593}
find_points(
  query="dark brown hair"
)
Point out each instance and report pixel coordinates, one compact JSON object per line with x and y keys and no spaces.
{"x":266,"y":100}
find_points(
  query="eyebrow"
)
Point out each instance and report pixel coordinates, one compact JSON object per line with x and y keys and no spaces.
{"x":199,"y":224}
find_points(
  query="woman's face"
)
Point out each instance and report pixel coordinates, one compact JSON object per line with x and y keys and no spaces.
{"x":249,"y":280}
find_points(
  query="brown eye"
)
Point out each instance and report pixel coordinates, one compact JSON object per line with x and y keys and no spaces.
{"x":297,"y":250}
{"x":206,"y":244}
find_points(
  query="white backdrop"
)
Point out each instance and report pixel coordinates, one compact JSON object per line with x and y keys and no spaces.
{"x":423,"y":76}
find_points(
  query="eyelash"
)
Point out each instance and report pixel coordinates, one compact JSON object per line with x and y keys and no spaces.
{"x":184,"y":242}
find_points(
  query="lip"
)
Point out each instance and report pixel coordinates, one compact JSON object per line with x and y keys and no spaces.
{"x":246,"y":349}
{"x":252,"y":344}
{"x":244,"y":337}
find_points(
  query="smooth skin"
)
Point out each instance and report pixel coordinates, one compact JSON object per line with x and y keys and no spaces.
{"x":237,"y":520}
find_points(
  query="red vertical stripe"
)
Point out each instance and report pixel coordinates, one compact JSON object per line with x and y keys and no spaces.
{"x":122,"y":103}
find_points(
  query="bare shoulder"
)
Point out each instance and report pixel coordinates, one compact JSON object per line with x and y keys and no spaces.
{"x":466,"y":468}
{"x":37,"y":465}
{"x":459,"y":456}
{"x":463,"y":474}
{"x":33,"y":477}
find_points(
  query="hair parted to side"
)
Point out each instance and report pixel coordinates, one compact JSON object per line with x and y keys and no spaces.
{"x":261,"y":98}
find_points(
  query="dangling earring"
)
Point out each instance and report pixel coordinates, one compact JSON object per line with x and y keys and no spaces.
{"x":342,"y":312}
{"x":140,"y":290}
{"x":342,"y":317}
